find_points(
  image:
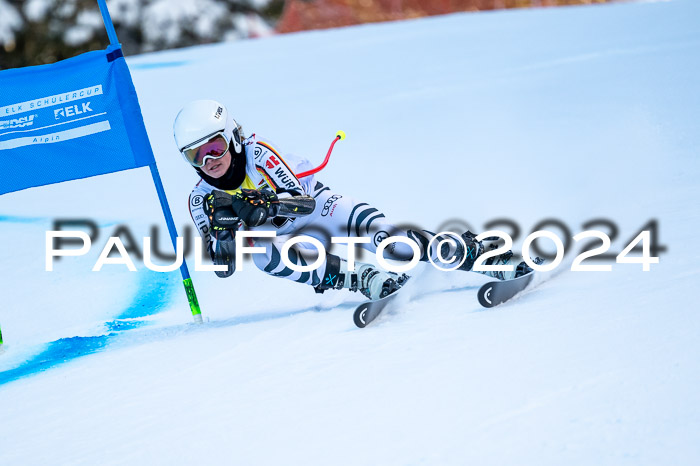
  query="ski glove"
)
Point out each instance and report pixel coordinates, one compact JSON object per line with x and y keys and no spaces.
{"x":254,"y":207}
{"x":219,"y":209}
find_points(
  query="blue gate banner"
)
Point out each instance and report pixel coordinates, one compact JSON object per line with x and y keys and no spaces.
{"x":73,"y":119}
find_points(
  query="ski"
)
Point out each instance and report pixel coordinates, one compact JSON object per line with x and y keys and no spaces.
{"x":365,"y":313}
{"x":490,"y":294}
{"x":497,"y":292}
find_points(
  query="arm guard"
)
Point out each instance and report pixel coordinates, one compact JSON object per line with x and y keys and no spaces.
{"x":296,"y":206}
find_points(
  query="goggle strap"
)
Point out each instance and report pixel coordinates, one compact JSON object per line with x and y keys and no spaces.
{"x":199,"y":141}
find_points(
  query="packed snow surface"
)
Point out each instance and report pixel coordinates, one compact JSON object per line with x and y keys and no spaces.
{"x":573,"y":114}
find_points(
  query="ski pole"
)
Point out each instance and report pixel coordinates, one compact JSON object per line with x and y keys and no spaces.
{"x":340,"y":135}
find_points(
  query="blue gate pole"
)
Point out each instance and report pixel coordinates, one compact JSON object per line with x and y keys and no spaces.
{"x":107,"y":20}
{"x":187,"y":280}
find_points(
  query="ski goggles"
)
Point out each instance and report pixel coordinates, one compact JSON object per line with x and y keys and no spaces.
{"x":214,"y":147}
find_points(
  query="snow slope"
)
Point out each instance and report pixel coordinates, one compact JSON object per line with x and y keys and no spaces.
{"x":573,"y":113}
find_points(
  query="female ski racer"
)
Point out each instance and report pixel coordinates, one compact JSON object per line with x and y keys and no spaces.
{"x":247,"y":184}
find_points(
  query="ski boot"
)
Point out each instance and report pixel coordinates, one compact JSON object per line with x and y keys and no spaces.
{"x":377,"y":284}
{"x":477,"y":248}
{"x":507,"y":259}
{"x":368,"y":279}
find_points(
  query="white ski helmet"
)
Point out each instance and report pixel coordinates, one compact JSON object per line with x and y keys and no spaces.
{"x":205,"y":122}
